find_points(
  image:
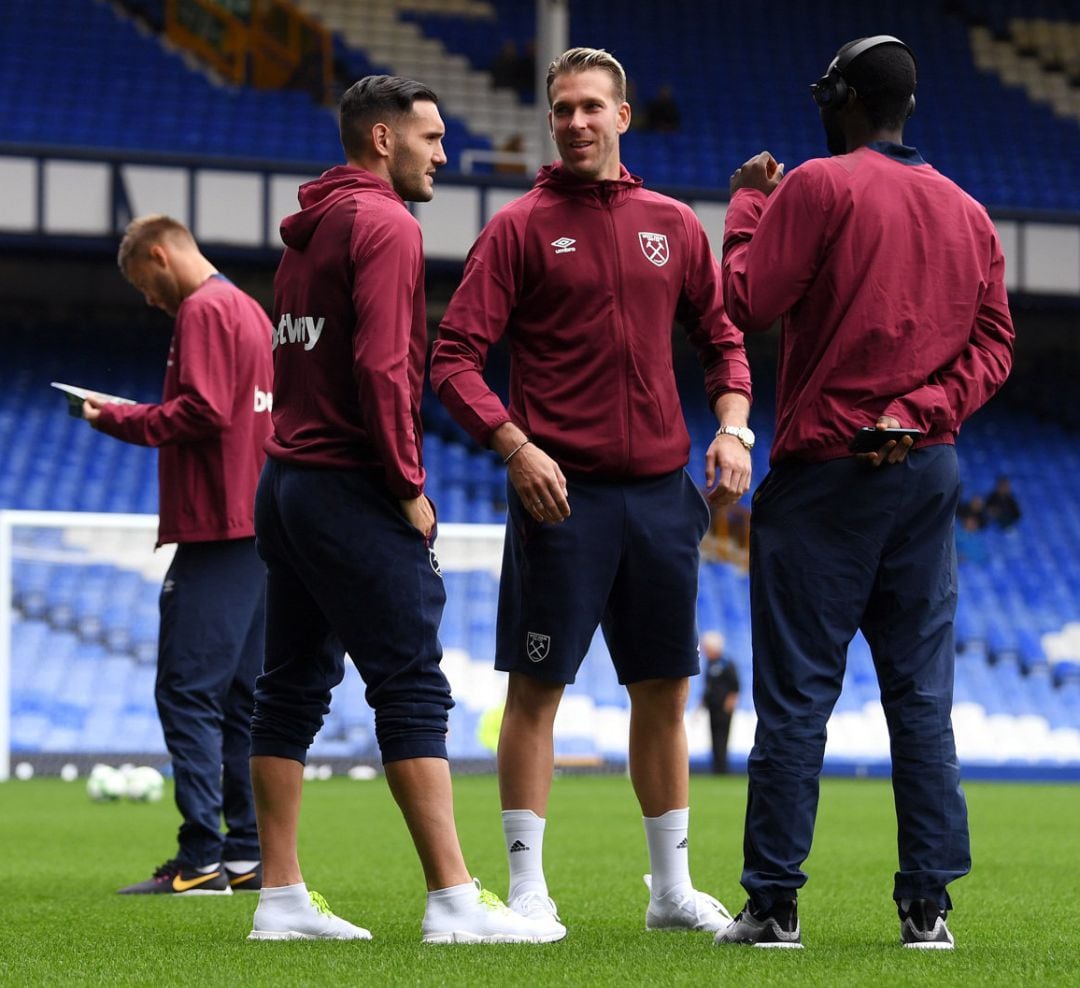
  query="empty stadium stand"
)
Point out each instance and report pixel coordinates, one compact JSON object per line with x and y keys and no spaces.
{"x":998,"y":83}
{"x":85,"y":636}
{"x":998,"y":87}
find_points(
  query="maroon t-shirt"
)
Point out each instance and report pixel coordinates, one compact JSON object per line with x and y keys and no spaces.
{"x":213,"y":419}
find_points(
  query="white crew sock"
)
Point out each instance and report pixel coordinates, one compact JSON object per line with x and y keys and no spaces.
{"x":669,"y":856}
{"x":236,"y":867}
{"x":454,"y":897}
{"x":284,"y":900}
{"x":524,"y":832}
{"x":207,"y":869}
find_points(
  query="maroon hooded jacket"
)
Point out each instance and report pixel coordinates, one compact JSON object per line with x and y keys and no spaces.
{"x":351,"y":331}
{"x":586,"y":279}
{"x":213,"y":418}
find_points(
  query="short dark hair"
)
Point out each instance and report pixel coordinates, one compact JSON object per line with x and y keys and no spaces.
{"x":884,"y":79}
{"x":375,"y":99}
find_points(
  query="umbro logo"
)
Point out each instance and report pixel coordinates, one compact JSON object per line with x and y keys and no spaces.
{"x":684,"y":843}
{"x":518,"y":845}
{"x":564,"y":245}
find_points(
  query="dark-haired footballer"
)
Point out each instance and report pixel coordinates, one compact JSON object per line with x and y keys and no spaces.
{"x":889,"y":282}
{"x":343,"y":524}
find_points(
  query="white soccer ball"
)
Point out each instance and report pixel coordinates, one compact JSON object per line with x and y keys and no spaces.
{"x":145,"y":785}
{"x":24,"y":771}
{"x":70,"y":772}
{"x":105,"y":784}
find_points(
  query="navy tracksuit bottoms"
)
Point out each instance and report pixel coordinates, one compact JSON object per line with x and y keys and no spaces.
{"x":836,"y":547}
{"x":210,"y":650}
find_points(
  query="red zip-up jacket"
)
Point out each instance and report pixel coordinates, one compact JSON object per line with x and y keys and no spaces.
{"x":213,"y":419}
{"x":889,"y":282}
{"x":351,"y":331}
{"x":586,"y":279}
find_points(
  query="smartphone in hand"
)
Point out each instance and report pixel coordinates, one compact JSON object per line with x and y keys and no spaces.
{"x":870,"y":440}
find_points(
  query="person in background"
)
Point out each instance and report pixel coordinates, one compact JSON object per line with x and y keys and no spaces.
{"x":721,"y":696}
{"x":210,"y":426}
{"x":585,"y":275}
{"x":662,"y":114}
{"x":889,"y":284}
{"x":343,"y":523}
{"x":1002,"y":508}
{"x":972,"y":514}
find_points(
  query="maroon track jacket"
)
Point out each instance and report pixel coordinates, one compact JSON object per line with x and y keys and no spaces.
{"x":350,"y":331}
{"x":586,"y":279}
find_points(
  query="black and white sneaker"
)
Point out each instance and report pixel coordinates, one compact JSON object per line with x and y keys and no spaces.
{"x":174,"y":878}
{"x":776,"y":927}
{"x":245,"y":881}
{"x":922,"y":925}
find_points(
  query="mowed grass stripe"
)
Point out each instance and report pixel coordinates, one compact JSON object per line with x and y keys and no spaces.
{"x":1017,"y":914}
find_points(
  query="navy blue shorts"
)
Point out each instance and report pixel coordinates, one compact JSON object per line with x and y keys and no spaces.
{"x":346,"y":572}
{"x":626,"y":559}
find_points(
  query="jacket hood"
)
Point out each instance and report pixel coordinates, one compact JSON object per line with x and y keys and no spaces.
{"x":557,"y":176}
{"x":323,"y":193}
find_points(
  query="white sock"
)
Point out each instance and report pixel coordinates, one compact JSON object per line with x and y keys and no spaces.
{"x":669,"y":856}
{"x":239,"y":866}
{"x":206,"y":869}
{"x":448,"y":902}
{"x":285,"y":899}
{"x":524,"y":832}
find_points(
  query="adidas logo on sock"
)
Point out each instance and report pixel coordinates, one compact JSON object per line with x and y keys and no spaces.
{"x":683,"y":843}
{"x":518,"y":845}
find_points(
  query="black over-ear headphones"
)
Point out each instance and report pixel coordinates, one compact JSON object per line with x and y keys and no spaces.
{"x":832,"y":88}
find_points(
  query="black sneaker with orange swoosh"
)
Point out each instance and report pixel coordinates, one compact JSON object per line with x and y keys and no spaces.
{"x":174,"y":878}
{"x":245,"y":881}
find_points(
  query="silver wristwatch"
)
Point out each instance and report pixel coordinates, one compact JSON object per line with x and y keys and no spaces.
{"x":744,"y":435}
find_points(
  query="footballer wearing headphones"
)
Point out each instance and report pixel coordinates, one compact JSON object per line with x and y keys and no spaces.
{"x":889,"y":284}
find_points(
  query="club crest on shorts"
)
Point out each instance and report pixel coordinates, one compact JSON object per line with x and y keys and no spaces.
{"x":655,"y":247}
{"x":434,"y":560}
{"x":537,"y":646}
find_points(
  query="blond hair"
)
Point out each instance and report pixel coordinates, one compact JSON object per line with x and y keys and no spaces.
{"x":142,"y":233}
{"x":583,"y":59}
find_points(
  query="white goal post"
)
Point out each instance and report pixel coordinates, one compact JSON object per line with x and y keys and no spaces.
{"x":124,"y":544}
{"x":78,"y":628}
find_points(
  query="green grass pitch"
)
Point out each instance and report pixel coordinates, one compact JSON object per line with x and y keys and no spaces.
{"x":1016,"y":920}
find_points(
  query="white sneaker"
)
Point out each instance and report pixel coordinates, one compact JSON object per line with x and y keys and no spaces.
{"x":691,"y":910}
{"x":483,"y":918}
{"x":540,"y":907}
{"x":315,"y":923}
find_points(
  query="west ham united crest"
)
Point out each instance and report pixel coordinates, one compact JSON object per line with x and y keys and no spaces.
{"x":537,"y":646}
{"x":655,"y":247}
